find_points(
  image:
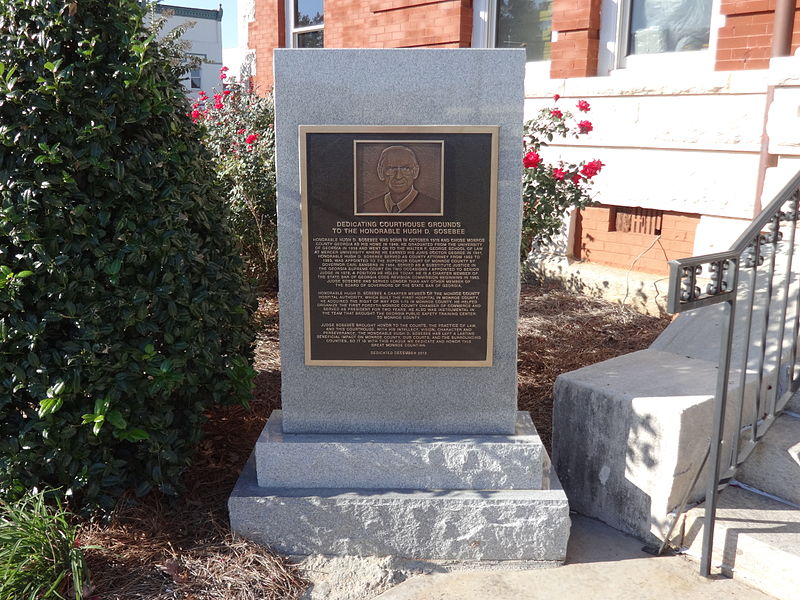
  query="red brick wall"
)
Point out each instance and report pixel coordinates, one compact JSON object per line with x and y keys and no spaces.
{"x":398,"y":23}
{"x":745,"y":42}
{"x":366,"y":24}
{"x":574,"y":53}
{"x":595,"y":243}
{"x":265,"y":33}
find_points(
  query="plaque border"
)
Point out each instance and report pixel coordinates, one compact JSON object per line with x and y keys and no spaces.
{"x":494,"y":132}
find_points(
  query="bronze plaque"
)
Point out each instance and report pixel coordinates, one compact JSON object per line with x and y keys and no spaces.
{"x":398,"y":244}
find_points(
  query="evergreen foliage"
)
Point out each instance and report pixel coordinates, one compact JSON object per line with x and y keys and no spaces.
{"x":123,"y":310}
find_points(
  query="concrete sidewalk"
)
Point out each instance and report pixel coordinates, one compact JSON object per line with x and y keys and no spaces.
{"x":602,"y":563}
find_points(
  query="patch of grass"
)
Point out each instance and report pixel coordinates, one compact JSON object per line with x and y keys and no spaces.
{"x":39,"y":555}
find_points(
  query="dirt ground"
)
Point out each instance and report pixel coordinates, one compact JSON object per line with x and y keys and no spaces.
{"x":160,"y":548}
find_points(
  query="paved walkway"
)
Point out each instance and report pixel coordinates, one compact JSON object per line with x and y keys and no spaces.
{"x":602,"y":563}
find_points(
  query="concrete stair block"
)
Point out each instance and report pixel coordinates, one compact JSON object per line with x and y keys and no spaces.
{"x":630,"y":433}
{"x":774,"y":465}
{"x":451,"y":462}
{"x":756,"y":540}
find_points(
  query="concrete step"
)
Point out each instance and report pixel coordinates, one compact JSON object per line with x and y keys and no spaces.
{"x":629,"y":435}
{"x":756,"y":540}
{"x":507,"y":526}
{"x":774,"y":465}
{"x":439,"y":462}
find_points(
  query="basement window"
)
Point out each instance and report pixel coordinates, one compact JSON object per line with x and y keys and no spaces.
{"x":632,"y":219}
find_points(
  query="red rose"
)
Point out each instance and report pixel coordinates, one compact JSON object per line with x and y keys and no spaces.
{"x":226,"y":93}
{"x":556,"y":113}
{"x":195,"y":115}
{"x":556,"y":97}
{"x":591,"y":168}
{"x":223,"y":69}
{"x":531,"y":160}
{"x":251,"y":138}
{"x":559,"y":174}
{"x":583,"y":106}
{"x":585,"y":126}
{"x":576,"y":179}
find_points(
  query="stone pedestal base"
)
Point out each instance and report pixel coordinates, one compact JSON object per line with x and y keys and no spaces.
{"x":418,"y":497}
{"x":405,"y":461}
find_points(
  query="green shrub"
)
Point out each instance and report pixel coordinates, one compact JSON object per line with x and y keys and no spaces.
{"x":40,"y":557}
{"x":238,"y":127}
{"x":123,"y":310}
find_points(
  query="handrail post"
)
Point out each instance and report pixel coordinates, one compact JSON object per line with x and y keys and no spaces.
{"x":717,"y":436}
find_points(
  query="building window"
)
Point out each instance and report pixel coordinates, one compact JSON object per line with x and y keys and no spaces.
{"x":196,"y":70}
{"x":305,"y":23}
{"x":658,"y":26}
{"x":195,"y":80}
{"x":524,"y":24}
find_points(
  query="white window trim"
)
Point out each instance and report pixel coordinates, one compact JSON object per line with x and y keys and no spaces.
{"x":484,"y":31}
{"x":292,"y":31}
{"x":614,"y":35}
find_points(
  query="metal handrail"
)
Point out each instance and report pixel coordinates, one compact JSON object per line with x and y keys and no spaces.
{"x":747,"y":282}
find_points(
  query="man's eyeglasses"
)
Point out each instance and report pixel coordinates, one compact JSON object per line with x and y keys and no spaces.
{"x":392,"y":171}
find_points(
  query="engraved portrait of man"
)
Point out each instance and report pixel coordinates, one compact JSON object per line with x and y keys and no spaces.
{"x":398,"y":171}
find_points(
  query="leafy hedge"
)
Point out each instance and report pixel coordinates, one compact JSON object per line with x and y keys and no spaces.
{"x":123,"y":310}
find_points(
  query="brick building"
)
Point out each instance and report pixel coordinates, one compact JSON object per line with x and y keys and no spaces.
{"x":692,"y":119}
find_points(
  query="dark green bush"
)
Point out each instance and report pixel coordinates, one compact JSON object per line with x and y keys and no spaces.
{"x":123,"y":310}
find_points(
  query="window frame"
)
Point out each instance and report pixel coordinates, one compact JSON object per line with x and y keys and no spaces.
{"x":292,"y":32}
{"x":618,"y":43}
{"x":203,"y":57}
{"x":484,"y":32}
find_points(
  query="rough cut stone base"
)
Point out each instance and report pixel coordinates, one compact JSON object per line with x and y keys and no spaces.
{"x":442,"y":497}
{"x":419,"y":524}
{"x":451,"y":462}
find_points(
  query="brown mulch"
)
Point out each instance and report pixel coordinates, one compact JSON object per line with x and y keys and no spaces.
{"x":160,"y":548}
{"x":560,"y":331}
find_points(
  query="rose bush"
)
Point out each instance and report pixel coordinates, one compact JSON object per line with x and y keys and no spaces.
{"x":550,"y":190}
{"x":238,"y":130}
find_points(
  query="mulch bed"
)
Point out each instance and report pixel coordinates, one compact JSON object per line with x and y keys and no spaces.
{"x":160,"y":548}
